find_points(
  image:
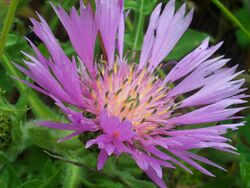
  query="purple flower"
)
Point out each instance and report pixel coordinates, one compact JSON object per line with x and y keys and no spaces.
{"x":135,"y":111}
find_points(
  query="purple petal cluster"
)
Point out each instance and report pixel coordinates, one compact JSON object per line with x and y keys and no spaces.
{"x":135,"y":111}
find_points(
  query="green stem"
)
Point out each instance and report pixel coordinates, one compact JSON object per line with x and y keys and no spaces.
{"x":139,"y":27}
{"x":231,"y":17}
{"x":5,"y":160}
{"x":129,"y":24}
{"x":7,"y":25}
{"x":52,"y":178}
{"x":12,"y":71}
{"x":109,"y":174}
{"x":38,"y":107}
{"x":72,"y":178}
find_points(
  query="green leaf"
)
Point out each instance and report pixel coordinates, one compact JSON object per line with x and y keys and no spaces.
{"x":72,"y":176}
{"x":4,"y":178}
{"x":231,"y":17}
{"x":23,"y":3}
{"x":21,"y":107}
{"x":138,"y":183}
{"x":244,"y":140}
{"x":243,"y":16}
{"x":227,"y":181}
{"x":17,"y":144}
{"x":243,"y":39}
{"x":11,"y":40}
{"x":49,"y":181}
{"x":135,"y":6}
{"x":126,"y":162}
{"x":5,"y":81}
{"x":187,"y":43}
{"x":47,"y":138}
{"x":11,"y":172}
{"x":245,"y":173}
{"x":31,"y":183}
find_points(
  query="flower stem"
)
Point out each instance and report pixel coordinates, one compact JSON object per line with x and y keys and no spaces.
{"x":129,"y":24}
{"x":12,"y":71}
{"x":139,"y":27}
{"x":231,"y":17}
{"x":109,"y":174}
{"x":7,"y":25}
{"x":72,"y":177}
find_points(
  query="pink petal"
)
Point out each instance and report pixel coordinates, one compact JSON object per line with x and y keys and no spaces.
{"x":102,"y":157}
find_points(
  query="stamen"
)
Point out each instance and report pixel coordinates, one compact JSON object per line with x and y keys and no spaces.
{"x":143,"y":120}
{"x":100,"y":72}
{"x":138,"y":95}
{"x":155,"y":110}
{"x":160,"y":89}
{"x":131,"y":106}
{"x":137,"y":102}
{"x":119,"y":91}
{"x":106,"y":94}
{"x":154,"y":80}
{"x":136,"y":87}
{"x":123,"y":108}
{"x":110,"y":72}
{"x":125,"y":81}
{"x":133,"y":95}
{"x":150,"y":99}
{"x":163,"y":112}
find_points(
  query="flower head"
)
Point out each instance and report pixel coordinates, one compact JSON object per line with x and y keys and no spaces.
{"x":134,"y":110}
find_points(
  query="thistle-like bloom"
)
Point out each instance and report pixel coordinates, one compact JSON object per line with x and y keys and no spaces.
{"x":134,"y":110}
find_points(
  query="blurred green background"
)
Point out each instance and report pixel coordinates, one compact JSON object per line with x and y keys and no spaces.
{"x":23,"y":160}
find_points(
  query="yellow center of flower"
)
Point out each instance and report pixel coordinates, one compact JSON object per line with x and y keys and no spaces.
{"x":131,"y":94}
